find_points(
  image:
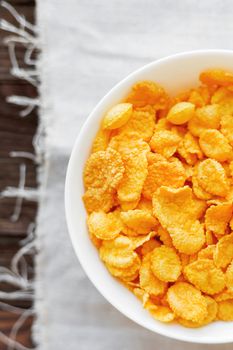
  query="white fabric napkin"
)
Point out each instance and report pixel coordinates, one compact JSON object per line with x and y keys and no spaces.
{"x":87,"y":47}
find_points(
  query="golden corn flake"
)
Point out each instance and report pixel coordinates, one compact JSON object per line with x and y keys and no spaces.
{"x":147,"y":93}
{"x":225,"y":310}
{"x":138,"y":241}
{"x":126,"y":274}
{"x":181,"y":113}
{"x":217,"y":217}
{"x":189,"y":237}
{"x":135,"y":174}
{"x":142,"y":295}
{"x":163,"y":124}
{"x":148,"y":281}
{"x":165,"y":264}
{"x":212,"y":309}
{"x":187,"y":302}
{"x":189,"y":149}
{"x":229,"y":277}
{"x":163,"y":172}
{"x":224,"y":97}
{"x":216,"y":77}
{"x":205,"y":276}
{"x":142,"y":123}
{"x":145,"y":204}
{"x":223,"y":253}
{"x":198,"y":190}
{"x":140,"y":221}
{"x":184,"y":259}
{"x":175,"y":209}
{"x":227,"y":127}
{"x":117,"y":116}
{"x":148,"y":246}
{"x":104,"y":169}
{"x":201,"y":96}
{"x":212,"y":178}
{"x":159,"y":197}
{"x":215,"y":145}
{"x":164,"y":236}
{"x":207,"y":253}
{"x":210,"y":238}
{"x":161,"y":313}
{"x":165,"y":142}
{"x":96,"y":241}
{"x":130,"y":205}
{"x":104,"y":226}
{"x":207,"y":117}
{"x":97,"y":199}
{"x":118,"y":252}
{"x":101,"y":141}
{"x":224,"y":295}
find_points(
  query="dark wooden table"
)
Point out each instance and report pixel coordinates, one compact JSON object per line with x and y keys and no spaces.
{"x":16,"y":134}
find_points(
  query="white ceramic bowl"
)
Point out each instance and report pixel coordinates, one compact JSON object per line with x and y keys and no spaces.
{"x":175,"y":73}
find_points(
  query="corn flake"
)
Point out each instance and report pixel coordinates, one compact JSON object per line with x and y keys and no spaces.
{"x":207,"y":253}
{"x":148,"y":246}
{"x":181,"y":113}
{"x":224,"y":295}
{"x":175,"y":210}
{"x":141,"y":295}
{"x":212,"y":178}
{"x":117,"y":116}
{"x":135,"y":173}
{"x":126,"y":274}
{"x":164,"y":236}
{"x":148,"y":93}
{"x":97,"y":199}
{"x":165,"y":264}
{"x":104,"y":226}
{"x":223,"y":253}
{"x":163,"y":172}
{"x":224,"y":97}
{"x":207,"y":117}
{"x":217,"y":217}
{"x":187,"y":302}
{"x":227,"y":127}
{"x":104,"y":169}
{"x":225,"y":310}
{"x":101,"y":141}
{"x":205,"y":276}
{"x":148,"y":281}
{"x":165,"y":142}
{"x":161,"y":313}
{"x":142,"y":123}
{"x":229,"y":277}
{"x":198,"y":190}
{"x":189,"y":149}
{"x":212,"y":308}
{"x":118,"y":252}
{"x":145,"y":204}
{"x":215,"y":145}
{"x":140,"y":221}
{"x":216,"y":77}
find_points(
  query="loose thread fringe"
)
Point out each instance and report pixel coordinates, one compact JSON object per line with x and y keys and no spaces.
{"x":17,"y":275}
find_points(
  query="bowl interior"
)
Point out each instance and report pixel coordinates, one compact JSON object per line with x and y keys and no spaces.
{"x":175,"y":73}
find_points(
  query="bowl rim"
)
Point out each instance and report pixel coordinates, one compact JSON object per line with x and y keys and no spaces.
{"x":192,"y":339}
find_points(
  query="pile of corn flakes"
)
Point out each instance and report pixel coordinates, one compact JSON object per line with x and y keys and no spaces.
{"x":159,"y":197}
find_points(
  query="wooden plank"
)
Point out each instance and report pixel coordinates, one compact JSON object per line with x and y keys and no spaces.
{"x":16,"y":134}
{"x":7,"y":319}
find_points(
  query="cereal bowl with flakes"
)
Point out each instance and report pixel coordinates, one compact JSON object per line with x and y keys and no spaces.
{"x":149,"y":193}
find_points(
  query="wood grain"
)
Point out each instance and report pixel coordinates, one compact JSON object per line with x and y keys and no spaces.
{"x":16,"y":134}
